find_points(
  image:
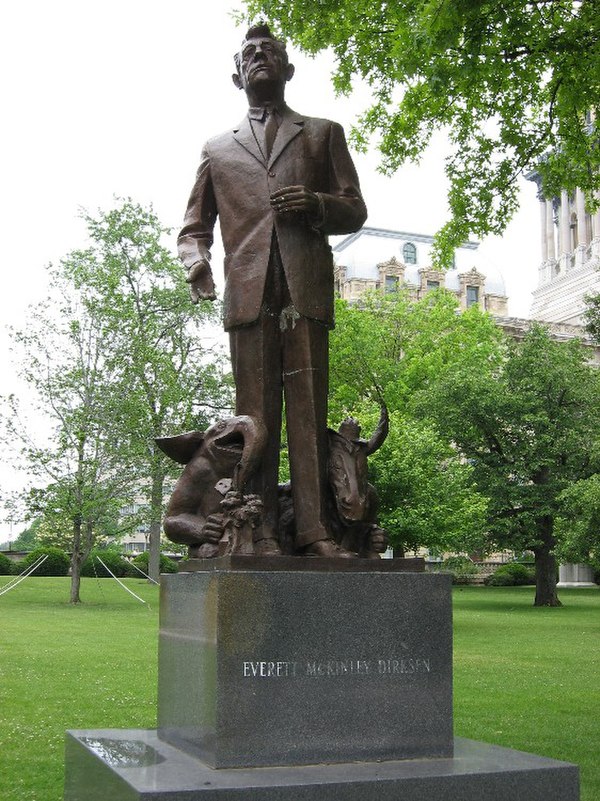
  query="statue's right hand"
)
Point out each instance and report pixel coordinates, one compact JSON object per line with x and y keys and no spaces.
{"x":213,"y":528}
{"x":202,"y":286}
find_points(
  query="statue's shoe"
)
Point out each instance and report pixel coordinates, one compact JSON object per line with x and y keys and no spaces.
{"x":207,"y":550}
{"x":328,"y":549}
{"x":369,"y":554}
{"x":267,"y":547}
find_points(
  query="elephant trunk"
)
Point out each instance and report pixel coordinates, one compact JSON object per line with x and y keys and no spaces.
{"x":253,"y":436}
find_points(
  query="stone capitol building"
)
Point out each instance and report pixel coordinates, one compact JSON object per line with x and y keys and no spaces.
{"x":378,"y":258}
{"x":570,"y":249}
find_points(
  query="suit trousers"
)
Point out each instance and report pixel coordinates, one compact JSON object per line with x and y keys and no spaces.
{"x":285,"y":356}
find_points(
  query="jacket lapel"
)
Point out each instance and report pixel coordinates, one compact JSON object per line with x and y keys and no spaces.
{"x":290,"y":127}
{"x":244,"y":135}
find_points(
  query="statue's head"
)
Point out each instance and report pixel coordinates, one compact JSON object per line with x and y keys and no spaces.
{"x":262,"y":65}
{"x":350,"y":428}
{"x":347,"y":472}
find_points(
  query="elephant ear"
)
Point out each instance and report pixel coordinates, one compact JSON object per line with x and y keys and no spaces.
{"x":182,"y":447}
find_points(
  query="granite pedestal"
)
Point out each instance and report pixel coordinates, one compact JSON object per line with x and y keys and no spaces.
{"x":305,"y":684}
{"x":289,"y":668}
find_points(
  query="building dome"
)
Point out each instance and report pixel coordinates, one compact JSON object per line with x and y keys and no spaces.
{"x":363,"y":255}
{"x":377,"y":257}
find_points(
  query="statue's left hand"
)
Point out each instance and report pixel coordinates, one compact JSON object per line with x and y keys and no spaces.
{"x":296,"y":199}
{"x":199,"y":277}
{"x":378,"y":539}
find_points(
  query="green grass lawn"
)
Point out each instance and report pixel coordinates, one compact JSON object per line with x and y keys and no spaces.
{"x":525,"y":678}
{"x":65,"y":667}
{"x":529,"y":678}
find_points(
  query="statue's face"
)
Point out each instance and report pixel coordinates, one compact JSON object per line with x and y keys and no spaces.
{"x":347,"y":472}
{"x":262,"y":62}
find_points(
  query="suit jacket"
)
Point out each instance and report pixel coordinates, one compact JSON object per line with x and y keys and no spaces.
{"x":235,"y":182}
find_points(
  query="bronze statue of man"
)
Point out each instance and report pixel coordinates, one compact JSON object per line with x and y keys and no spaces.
{"x":280,"y":183}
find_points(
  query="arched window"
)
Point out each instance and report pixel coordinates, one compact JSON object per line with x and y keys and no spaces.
{"x":409,"y":253}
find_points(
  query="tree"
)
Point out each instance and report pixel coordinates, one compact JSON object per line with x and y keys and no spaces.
{"x":27,"y":539}
{"x":592,"y":317}
{"x":529,"y":427}
{"x":391,"y":348}
{"x":427,"y":495}
{"x":168,"y":377}
{"x":393,"y":345}
{"x":513,"y":85}
{"x":78,"y":478}
{"x":578,"y":523}
{"x":115,"y":360}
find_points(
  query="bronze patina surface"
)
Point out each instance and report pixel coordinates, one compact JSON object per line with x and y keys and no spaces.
{"x":279,"y":183}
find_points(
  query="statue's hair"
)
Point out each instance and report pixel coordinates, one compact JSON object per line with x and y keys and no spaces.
{"x":350,"y":428}
{"x":260,"y":31}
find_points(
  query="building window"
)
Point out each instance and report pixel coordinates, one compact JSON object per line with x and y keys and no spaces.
{"x":472,"y":296}
{"x":391,"y":283}
{"x":433,"y":285}
{"x":409,"y":253}
{"x":134,"y":547}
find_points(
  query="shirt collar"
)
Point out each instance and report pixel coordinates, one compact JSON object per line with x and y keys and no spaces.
{"x":259,"y":112}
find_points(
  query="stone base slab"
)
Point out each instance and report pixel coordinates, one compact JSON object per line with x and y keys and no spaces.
{"x":134,"y":765}
{"x":312,"y":564}
{"x":576,"y":576}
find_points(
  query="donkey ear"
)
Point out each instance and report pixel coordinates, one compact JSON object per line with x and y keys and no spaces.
{"x":182,"y":447}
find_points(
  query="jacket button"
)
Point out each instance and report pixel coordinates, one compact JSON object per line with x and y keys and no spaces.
{"x":271,"y":175}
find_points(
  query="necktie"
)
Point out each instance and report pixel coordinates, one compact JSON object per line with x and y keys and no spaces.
{"x":271,"y":126}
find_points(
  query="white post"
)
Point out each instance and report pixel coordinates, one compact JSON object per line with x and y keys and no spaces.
{"x":565,"y":232}
{"x":582,"y":234}
{"x":596,"y":233}
{"x":550,"y":230}
{"x":565,"y":224}
{"x":543,"y":215}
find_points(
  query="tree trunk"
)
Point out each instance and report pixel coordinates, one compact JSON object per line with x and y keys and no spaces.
{"x":546,"y":566}
{"x":155,"y":523}
{"x":76,"y":561}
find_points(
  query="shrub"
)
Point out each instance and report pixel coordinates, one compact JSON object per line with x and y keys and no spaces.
{"x":166,"y":565}
{"x":5,"y":565}
{"x":500,"y":580}
{"x":459,"y":564}
{"x":57,"y":563}
{"x":462,"y":569}
{"x":512,"y":574}
{"x":111,"y":558}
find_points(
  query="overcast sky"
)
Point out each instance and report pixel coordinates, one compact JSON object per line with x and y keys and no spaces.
{"x":117,"y":97}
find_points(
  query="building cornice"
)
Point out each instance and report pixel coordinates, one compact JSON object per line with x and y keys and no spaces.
{"x":387,"y":233}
